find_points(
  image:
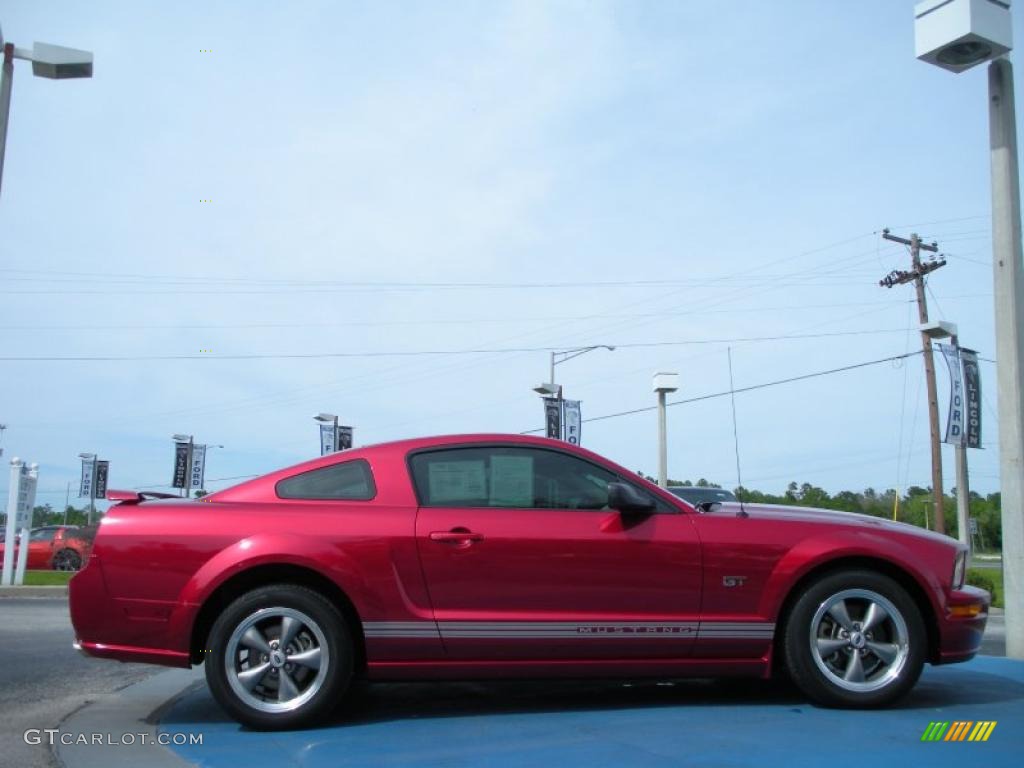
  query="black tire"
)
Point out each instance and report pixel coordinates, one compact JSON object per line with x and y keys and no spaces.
{"x":67,"y":560}
{"x":820,"y":642}
{"x":271,"y":612}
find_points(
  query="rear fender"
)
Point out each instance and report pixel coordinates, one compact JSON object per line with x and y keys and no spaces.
{"x":266,"y":549}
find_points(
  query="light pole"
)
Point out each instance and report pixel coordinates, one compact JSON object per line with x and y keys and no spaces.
{"x":663,"y":384}
{"x":187,"y":439}
{"x":91,"y":458}
{"x":549,"y":388}
{"x":942,"y":330}
{"x":557,"y":358}
{"x":51,"y":61}
{"x":956,"y":36}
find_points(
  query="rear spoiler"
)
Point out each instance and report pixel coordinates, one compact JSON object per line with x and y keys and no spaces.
{"x":137,"y":497}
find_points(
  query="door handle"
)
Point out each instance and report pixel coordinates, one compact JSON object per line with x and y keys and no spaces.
{"x":460,"y":536}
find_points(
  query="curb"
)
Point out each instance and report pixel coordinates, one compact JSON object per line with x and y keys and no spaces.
{"x":60,"y":592}
{"x":127,"y":720}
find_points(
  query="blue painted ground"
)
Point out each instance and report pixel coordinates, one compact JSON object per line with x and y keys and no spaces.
{"x":688,"y":723}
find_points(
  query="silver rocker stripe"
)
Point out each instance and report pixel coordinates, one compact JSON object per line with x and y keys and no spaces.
{"x":540,"y":630}
{"x":400,"y":629}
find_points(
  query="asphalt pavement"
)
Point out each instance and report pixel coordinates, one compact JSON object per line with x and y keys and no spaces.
{"x":44,"y":683}
{"x":43,"y":679}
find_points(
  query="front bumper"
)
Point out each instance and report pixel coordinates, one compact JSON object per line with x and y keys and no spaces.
{"x":962,"y":625}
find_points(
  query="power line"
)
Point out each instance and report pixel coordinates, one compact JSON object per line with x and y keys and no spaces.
{"x":751,"y":388}
{"x":789,"y":308}
{"x":422,"y":352}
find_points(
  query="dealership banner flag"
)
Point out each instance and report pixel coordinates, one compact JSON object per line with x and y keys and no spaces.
{"x":344,"y":438}
{"x":197,"y":473}
{"x":327,"y":437}
{"x":553,"y":417}
{"x":955,"y":418}
{"x":571,"y":410}
{"x":180,"y":465}
{"x":85,"y":487}
{"x":102,"y":470}
{"x":972,"y":396}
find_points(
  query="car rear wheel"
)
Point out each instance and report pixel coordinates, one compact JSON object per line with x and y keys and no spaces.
{"x":67,"y":560}
{"x":279,"y":657}
{"x":855,"y":639}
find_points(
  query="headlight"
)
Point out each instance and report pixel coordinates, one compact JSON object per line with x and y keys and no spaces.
{"x":959,"y":569}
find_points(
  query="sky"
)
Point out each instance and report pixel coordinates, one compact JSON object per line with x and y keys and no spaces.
{"x":418,"y":201}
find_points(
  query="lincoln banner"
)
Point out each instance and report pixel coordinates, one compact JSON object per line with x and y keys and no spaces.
{"x":553,"y":417}
{"x":102,"y":470}
{"x":180,"y":466}
{"x":972,"y":396}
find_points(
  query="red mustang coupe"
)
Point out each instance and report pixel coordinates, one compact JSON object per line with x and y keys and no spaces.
{"x":490,"y":556}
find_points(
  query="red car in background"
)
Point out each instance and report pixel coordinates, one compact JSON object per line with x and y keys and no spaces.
{"x":495,"y":556}
{"x":60,"y":547}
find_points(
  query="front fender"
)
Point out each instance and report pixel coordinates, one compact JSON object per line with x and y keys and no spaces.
{"x":818,"y":551}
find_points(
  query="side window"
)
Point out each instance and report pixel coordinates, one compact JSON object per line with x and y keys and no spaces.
{"x":509,"y":477}
{"x":347,"y":481}
{"x":43,"y":534}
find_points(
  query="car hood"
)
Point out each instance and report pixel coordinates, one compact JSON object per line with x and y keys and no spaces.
{"x":824,"y":517}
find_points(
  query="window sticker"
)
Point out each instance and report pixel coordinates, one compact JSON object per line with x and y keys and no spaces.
{"x":511,"y":481}
{"x":456,"y":481}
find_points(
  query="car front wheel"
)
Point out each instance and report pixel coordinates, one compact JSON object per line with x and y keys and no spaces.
{"x":279,"y":657}
{"x":855,"y":639}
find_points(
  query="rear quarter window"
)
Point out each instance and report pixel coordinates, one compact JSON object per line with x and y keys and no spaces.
{"x":346,"y":481}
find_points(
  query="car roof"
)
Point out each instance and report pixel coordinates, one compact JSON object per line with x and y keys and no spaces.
{"x":261,"y":488}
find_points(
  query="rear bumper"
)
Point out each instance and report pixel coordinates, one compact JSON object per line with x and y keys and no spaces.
{"x":104,"y":630}
{"x":962,"y":625}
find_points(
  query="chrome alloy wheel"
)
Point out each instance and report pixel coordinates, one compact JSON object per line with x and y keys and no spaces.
{"x":277,"y":659}
{"x":859,"y":640}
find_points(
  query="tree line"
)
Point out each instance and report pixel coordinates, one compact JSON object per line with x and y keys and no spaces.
{"x":915,"y":506}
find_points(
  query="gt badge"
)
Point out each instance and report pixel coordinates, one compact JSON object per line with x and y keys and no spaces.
{"x":733,"y":581}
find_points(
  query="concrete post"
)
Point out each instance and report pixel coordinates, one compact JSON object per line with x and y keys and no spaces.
{"x":1009,"y":324}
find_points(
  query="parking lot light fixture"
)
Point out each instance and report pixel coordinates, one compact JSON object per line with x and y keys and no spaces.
{"x":663,"y":384}
{"x":53,"y":62}
{"x":942,"y":329}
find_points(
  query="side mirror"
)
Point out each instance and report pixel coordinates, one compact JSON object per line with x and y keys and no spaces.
{"x":628,"y":500}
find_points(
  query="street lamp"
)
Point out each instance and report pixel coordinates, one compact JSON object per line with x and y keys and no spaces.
{"x":550,"y":388}
{"x":569,"y":354}
{"x":91,"y":458}
{"x":942,"y":330}
{"x":50,"y":61}
{"x":663,"y":384}
{"x":957,"y":35}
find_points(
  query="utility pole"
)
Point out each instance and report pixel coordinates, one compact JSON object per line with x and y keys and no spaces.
{"x":916,"y":276}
